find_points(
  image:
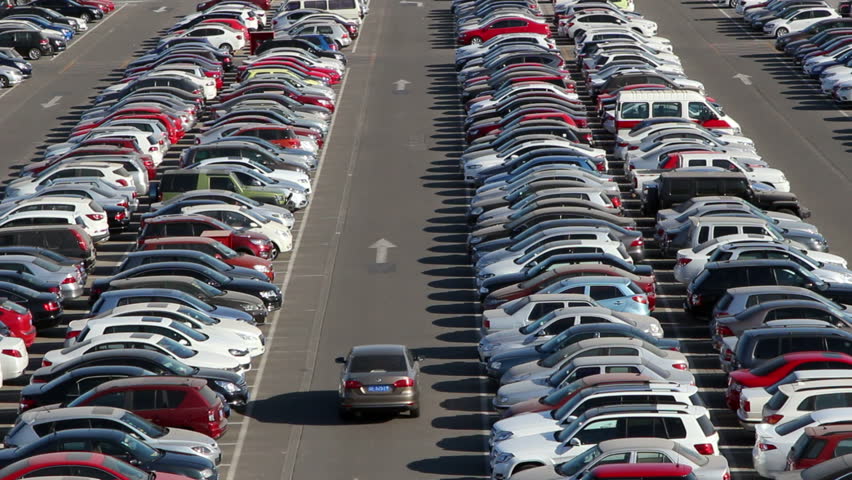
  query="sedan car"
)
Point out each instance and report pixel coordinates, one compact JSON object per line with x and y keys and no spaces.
{"x":110,"y":300}
{"x":379,"y":377}
{"x":67,"y":464}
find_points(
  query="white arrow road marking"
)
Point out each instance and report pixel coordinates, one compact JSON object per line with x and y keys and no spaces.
{"x":401,"y":84}
{"x":52,"y":102}
{"x":746,"y":79}
{"x":382,"y":247}
{"x":160,"y":10}
{"x":409,"y":2}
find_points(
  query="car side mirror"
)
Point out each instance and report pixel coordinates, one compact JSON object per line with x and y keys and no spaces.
{"x":340,"y":360}
{"x":134,"y":461}
{"x":541,"y":333}
{"x":253,"y":225}
{"x":419,"y":358}
{"x":575,"y":442}
{"x":569,"y":419}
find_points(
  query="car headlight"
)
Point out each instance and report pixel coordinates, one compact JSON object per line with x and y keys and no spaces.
{"x":484,"y":276}
{"x":206,"y":473}
{"x":238,"y":352}
{"x":654,"y":327}
{"x":503,"y":435}
{"x":257,"y":241}
{"x":504,"y":457}
{"x":279,"y":198}
{"x":262,"y":268}
{"x":488,"y":347}
{"x":252,"y":307}
{"x":269,"y":294}
{"x":201,"y":449}
{"x":473,"y":167}
{"x":228,"y":387}
{"x":477,"y":211}
{"x":496,"y":365}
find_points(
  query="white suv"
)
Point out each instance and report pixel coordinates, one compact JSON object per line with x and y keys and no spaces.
{"x":798,"y":20}
{"x":796,"y":399}
{"x":525,"y":310}
{"x":688,"y":425}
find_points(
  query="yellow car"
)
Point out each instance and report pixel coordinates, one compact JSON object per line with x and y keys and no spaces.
{"x":281,"y":71}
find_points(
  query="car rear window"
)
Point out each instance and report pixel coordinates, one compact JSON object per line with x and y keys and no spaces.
{"x":209,"y":395}
{"x":706,"y":425}
{"x":374,"y":363}
{"x":777,"y":401}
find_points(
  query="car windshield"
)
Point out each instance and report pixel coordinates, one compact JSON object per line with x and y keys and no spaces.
{"x":224,"y":250}
{"x":569,"y":406}
{"x":255,"y":216}
{"x":140,"y":450}
{"x":532,"y":327}
{"x":554,"y":397}
{"x":193,"y":334}
{"x":179,"y":368}
{"x":127,"y":470}
{"x":700,"y":247}
{"x":176,"y":348}
{"x":571,"y":429}
{"x":377,"y":363}
{"x":515,"y":306}
{"x":208,"y":290}
{"x":558,"y":376}
{"x":575,"y":465}
{"x":194,"y":302}
{"x":201,"y":317}
{"x":792,"y":426}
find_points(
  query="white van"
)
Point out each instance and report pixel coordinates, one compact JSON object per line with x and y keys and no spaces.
{"x":634,"y":106}
{"x":354,"y":9}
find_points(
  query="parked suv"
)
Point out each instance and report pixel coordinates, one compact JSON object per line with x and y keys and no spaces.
{"x":820,"y":444}
{"x":793,"y":400}
{"x":759,"y":345}
{"x":249,"y":184}
{"x":70,"y":241}
{"x":166,"y":226}
{"x":30,"y":43}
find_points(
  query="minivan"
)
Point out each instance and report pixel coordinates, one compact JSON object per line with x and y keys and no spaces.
{"x":759,"y":345}
{"x":29,"y":43}
{"x":634,"y":106}
{"x":354,"y":9}
{"x":70,"y":241}
{"x":176,"y":182}
{"x":177,"y":402}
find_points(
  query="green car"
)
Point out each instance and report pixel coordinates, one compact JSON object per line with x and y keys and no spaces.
{"x":238,"y":180}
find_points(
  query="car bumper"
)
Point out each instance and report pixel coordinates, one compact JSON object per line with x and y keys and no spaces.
{"x":70,"y":290}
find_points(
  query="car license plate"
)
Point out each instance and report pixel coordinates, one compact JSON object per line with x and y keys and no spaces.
{"x":378,"y":388}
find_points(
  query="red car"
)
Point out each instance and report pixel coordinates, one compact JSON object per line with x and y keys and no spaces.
{"x":170,"y":124}
{"x":281,"y":135}
{"x":264,"y":4}
{"x":19,"y":320}
{"x":132,"y":112}
{"x":648,"y":283}
{"x":495,"y":127}
{"x":105,"y":6}
{"x":79,"y":465}
{"x":779,"y":367}
{"x":643,"y":471}
{"x":211,"y":247}
{"x":561,"y":396}
{"x":500,"y":26}
{"x":819,"y":444}
{"x":165,"y":226}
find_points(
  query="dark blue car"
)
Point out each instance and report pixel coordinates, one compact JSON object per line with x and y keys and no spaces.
{"x":10,"y":58}
{"x":42,"y":22}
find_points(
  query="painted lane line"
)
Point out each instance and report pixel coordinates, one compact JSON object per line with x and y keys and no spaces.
{"x":52,"y":102}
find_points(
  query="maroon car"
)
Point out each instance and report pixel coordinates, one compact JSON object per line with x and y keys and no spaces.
{"x":167,"y":226}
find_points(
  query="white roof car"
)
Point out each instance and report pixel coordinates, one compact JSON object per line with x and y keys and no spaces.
{"x":688,"y":425}
{"x":586,"y":21}
{"x":242,"y":217}
{"x":159,"y":343}
{"x":525,"y":310}
{"x":752,"y":400}
{"x":488,"y":159}
{"x":95,"y":225}
{"x":738,"y":299}
{"x":798,"y":20}
{"x":223,"y":37}
{"x":792,"y":400}
{"x":252,"y":336}
{"x":594,"y":195}
{"x":517,"y":250}
{"x":620,"y":34}
{"x":652,"y":393}
{"x":772,"y":443}
{"x":631,"y":140}
{"x":14,"y":359}
{"x":112,"y":173}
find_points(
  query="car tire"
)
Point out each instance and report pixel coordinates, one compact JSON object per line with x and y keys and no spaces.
{"x":732,"y":3}
{"x":226,"y":48}
{"x":579,"y":33}
{"x":476,"y":41}
{"x":86,"y":17}
{"x":4,"y":82}
{"x":339,"y":45}
{"x":414,"y":412}
{"x":273,"y":254}
{"x":34,"y":54}
{"x":781,"y":32}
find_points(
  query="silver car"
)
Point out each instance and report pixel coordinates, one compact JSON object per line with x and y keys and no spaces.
{"x":33,"y":424}
{"x":69,"y":278}
{"x":9,"y":76}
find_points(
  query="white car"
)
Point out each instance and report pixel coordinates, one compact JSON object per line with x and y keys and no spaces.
{"x":248,"y":18}
{"x":620,"y":57}
{"x":519,"y":89}
{"x":586,"y":21}
{"x":250,"y":335}
{"x":631,"y":141}
{"x":218,"y":341}
{"x":89,"y":211}
{"x":525,"y":310}
{"x":559,"y":321}
{"x":594,"y":195}
{"x":466,"y":52}
{"x":752,"y":400}
{"x":792,"y":400}
{"x":242,"y":217}
{"x":148,"y":341}
{"x":620,"y":34}
{"x":552,"y":421}
{"x":646,"y":156}
{"x":146,"y":142}
{"x":530,"y":243}
{"x":772,"y":443}
{"x":14,"y":358}
{"x":798,"y":20}
{"x":491,"y":158}
{"x":691,"y":424}
{"x":608,"y":47}
{"x":223,"y":37}
{"x":112,"y":173}
{"x":206,"y":84}
{"x":296,"y":180}
{"x":96,"y":225}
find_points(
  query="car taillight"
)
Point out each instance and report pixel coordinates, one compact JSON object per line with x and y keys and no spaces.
{"x":81,"y":240}
{"x":153,"y":148}
{"x":724,"y":331}
{"x":72,"y":334}
{"x":53,"y":289}
{"x":197,"y":91}
{"x":680,"y":366}
{"x":746,"y":405}
{"x":39,"y":380}
{"x":728,"y":355}
{"x":772,"y":419}
{"x":122,"y":182}
{"x":404,"y":382}
{"x":123,"y":203}
{"x":638,"y":242}
{"x":765,"y":447}
{"x":616,"y":202}
{"x":601,"y":167}
{"x":704,"y":448}
{"x":120,"y":216}
{"x":726,"y":475}
{"x":486,"y":323}
{"x":12,"y":353}
{"x":68,"y":280}
{"x":344,"y":35}
{"x":46,"y":363}
{"x":623,"y":144}
{"x":43,"y":41}
{"x":51,"y":306}
{"x":26,"y":404}
{"x":239,"y":37}
{"x":640,"y":299}
{"x":95,"y":216}
{"x":352,"y":384}
{"x":684,"y":261}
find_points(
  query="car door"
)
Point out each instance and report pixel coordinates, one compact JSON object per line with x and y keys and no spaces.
{"x":144,"y":403}
{"x":596,"y":431}
{"x":608,"y":296}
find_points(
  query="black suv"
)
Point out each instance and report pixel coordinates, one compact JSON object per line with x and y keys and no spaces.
{"x":70,"y":8}
{"x":30,"y":43}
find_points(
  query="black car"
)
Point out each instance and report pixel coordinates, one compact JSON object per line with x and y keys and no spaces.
{"x":117,"y":444}
{"x":45,"y":307}
{"x":711,"y":284}
{"x":70,"y":8}
{"x":230,"y":385}
{"x":302,"y":43}
{"x":146,"y":257}
{"x":256,"y":288}
{"x":53,"y":16}
{"x":29,"y":43}
{"x":44,"y":253}
{"x":15,"y":61}
{"x":30,"y":281}
{"x":72,"y":384}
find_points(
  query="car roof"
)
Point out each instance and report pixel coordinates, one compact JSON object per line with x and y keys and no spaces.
{"x":600,"y":279}
{"x":154,"y":380}
{"x":645,"y":470}
{"x":826,"y":430}
{"x":757,"y":289}
{"x":751,"y":263}
{"x":644,"y":95}
{"x":648,"y":442}
{"x":161,"y":278}
{"x":726,"y":219}
{"x":551,"y":297}
{"x":380,"y":349}
{"x":162,"y":253}
{"x":53,"y":414}
{"x":173,"y":240}
{"x":608,"y":360}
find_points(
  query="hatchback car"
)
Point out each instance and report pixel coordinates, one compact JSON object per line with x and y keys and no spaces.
{"x":379,"y":377}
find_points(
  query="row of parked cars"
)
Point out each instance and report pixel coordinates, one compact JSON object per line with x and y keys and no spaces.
{"x":820,"y":45}
{"x":145,"y":383}
{"x":567,"y":331}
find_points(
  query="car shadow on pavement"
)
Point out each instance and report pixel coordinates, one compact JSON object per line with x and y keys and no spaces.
{"x":317,"y":408}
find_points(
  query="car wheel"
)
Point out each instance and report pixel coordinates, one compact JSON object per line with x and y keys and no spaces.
{"x":578,"y":34}
{"x":414,"y":412}
{"x":273,"y":254}
{"x":732,"y":3}
{"x":475,"y":41}
{"x":781,"y":32}
{"x":4,"y":82}
{"x":339,"y":45}
{"x":34,"y":54}
{"x":226,"y":48}
{"x":86,"y":17}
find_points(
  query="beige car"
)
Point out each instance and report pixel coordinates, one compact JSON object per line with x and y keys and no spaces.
{"x":379,"y":377}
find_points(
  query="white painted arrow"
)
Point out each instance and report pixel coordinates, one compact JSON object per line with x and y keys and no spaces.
{"x":746,"y":79}
{"x":52,"y":102}
{"x":409,"y":2}
{"x":382,"y":247}
{"x":160,"y":10}
{"x":401,"y":84}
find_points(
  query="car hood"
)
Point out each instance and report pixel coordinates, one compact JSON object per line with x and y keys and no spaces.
{"x":525,"y":371}
{"x":235,"y":299}
{"x":531,"y":424}
{"x":180,"y":463}
{"x":530,"y":446}
{"x":524,"y":390}
{"x":178,"y":437}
